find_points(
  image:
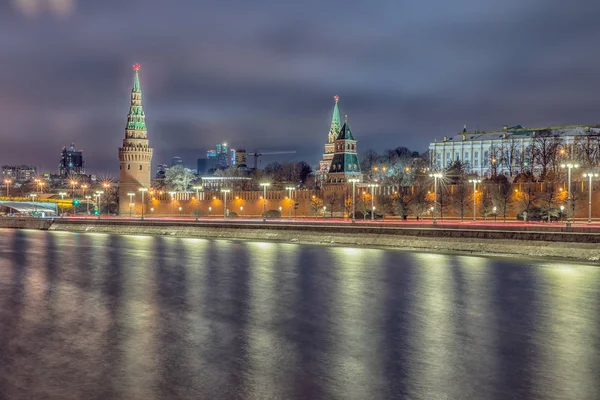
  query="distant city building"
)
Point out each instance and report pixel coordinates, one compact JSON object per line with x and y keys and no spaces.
{"x":135,"y":156}
{"x":18,"y":173}
{"x":240,"y":158}
{"x":510,"y":150}
{"x":334,"y":130}
{"x":232,"y":153}
{"x":176,"y":161}
{"x":223,"y":160}
{"x":71,"y":162}
{"x":206,"y":165}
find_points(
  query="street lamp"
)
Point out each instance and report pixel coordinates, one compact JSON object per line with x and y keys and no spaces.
{"x":435,"y":177}
{"x":289,"y":189}
{"x":373,"y":186}
{"x":98,"y":195}
{"x":241,"y":210}
{"x":8,"y":182}
{"x":73,"y":184}
{"x":324,"y":211}
{"x":265,"y":185}
{"x":198,"y":189}
{"x":130,"y":194}
{"x":354,"y":181}
{"x":569,"y":167}
{"x":474,"y":182}
{"x":172,"y":202}
{"x":106,"y":190}
{"x":62,"y":197}
{"x":494,"y":211}
{"x":83,"y":189}
{"x":210,"y":211}
{"x":180,"y":211}
{"x":590,"y":175}
{"x":87,"y":204}
{"x":562,"y":210}
{"x":143,"y":191}
{"x":225,"y":191}
{"x":33,"y":195}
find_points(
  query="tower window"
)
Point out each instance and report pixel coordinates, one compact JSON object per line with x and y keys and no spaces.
{"x":140,"y":167}
{"x":128,"y":167}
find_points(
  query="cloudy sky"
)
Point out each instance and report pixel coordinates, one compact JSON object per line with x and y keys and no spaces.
{"x":262,"y":74}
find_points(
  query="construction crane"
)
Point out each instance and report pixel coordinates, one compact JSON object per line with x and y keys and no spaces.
{"x":258,"y":154}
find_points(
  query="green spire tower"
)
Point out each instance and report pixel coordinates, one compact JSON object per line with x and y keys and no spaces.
{"x":135,"y":156}
{"x":334,"y":130}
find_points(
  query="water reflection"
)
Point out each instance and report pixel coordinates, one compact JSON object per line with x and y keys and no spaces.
{"x":99,"y":316}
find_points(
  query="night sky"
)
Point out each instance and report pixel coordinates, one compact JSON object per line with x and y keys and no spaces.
{"x":262,"y":74}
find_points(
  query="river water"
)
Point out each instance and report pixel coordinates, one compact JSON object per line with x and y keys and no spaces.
{"x":88,"y":316}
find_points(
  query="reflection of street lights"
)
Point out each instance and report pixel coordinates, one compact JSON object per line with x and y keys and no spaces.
{"x":494,"y":211}
{"x":373,"y":186}
{"x":474,"y":182}
{"x":225,"y":191}
{"x":197,"y":188}
{"x":289,"y":189}
{"x":435,"y":179}
{"x":62,"y":197}
{"x":143,"y":191}
{"x":569,"y":167}
{"x":354,"y":181}
{"x":590,"y":175}
{"x":130,"y":194}
{"x":172,"y":201}
{"x":265,"y":185}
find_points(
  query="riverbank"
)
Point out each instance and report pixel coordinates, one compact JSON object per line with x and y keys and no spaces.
{"x":575,"y":244}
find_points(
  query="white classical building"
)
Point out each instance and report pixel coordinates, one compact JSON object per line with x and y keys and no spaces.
{"x":508,"y":150}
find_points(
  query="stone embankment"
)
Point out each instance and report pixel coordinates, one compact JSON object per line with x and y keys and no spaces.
{"x":582,"y":244}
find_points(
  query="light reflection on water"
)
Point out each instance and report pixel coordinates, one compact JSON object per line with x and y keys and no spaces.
{"x":100,"y":316}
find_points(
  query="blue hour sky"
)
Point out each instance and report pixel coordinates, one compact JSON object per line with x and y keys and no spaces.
{"x":262,"y":74}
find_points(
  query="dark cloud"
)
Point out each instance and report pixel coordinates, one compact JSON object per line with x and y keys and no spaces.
{"x":261,"y":75}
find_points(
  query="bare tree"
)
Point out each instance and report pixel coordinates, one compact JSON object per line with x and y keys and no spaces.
{"x":509,"y":155}
{"x":546,"y":151}
{"x":502,"y":195}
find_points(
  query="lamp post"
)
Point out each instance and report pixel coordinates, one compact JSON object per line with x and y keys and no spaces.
{"x":289,"y":189}
{"x":8,"y":182}
{"x":569,"y":167}
{"x":106,"y":191}
{"x":33,"y":195}
{"x":241,"y":210}
{"x":198,"y":189}
{"x":354,"y":181}
{"x":562,"y":210}
{"x":494,"y":211}
{"x":73,"y":184}
{"x":172,"y":202}
{"x":143,"y":192}
{"x":435,"y":177}
{"x":265,"y":186}
{"x":225,"y":191}
{"x":62,"y":197}
{"x":180,"y":211}
{"x":474,"y":182}
{"x":590,"y":175}
{"x":87,"y":205}
{"x":130,"y":194}
{"x":98,"y":195}
{"x":324,"y":211}
{"x":83,"y":189}
{"x":373,"y":186}
{"x":210,"y":211}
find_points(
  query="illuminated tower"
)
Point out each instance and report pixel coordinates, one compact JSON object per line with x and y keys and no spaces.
{"x":334,"y":129}
{"x":135,"y":156}
{"x":344,"y":163}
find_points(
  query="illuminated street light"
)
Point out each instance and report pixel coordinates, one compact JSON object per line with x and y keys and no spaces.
{"x":225,"y":191}
{"x":73,"y":184}
{"x":373,"y":186}
{"x":172,"y":201}
{"x":62,"y":197}
{"x":569,"y":167}
{"x":590,"y":175}
{"x":130,"y":194}
{"x":474,"y":182}
{"x":87,"y":204}
{"x":197,"y":189}
{"x":290,"y":189}
{"x":143,"y":191}
{"x":99,"y":194}
{"x":265,"y":186}
{"x":7,"y":182}
{"x":494,"y":211}
{"x":435,"y":177}
{"x":354,"y":181}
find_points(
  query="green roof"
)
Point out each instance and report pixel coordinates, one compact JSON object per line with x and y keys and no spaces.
{"x":345,"y":163}
{"x":345,"y":133}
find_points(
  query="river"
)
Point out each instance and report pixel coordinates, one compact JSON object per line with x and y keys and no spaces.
{"x":89,"y":316}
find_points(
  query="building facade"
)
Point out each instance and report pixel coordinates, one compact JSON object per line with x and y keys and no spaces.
{"x":344,"y":163}
{"x":511,"y":150}
{"x":135,"y":155}
{"x":71,"y":162}
{"x":334,"y":130}
{"x":18,"y":173}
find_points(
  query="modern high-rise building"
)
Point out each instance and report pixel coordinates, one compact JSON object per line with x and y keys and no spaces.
{"x":176,"y":161}
{"x":240,"y":158}
{"x":71,"y":162}
{"x":135,"y":156}
{"x":18,"y":173}
{"x":334,"y":130}
{"x":223,"y":161}
{"x":232,"y":153}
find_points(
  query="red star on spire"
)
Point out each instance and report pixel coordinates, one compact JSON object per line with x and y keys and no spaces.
{"x":136,"y":67}
{"x":336,"y":97}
